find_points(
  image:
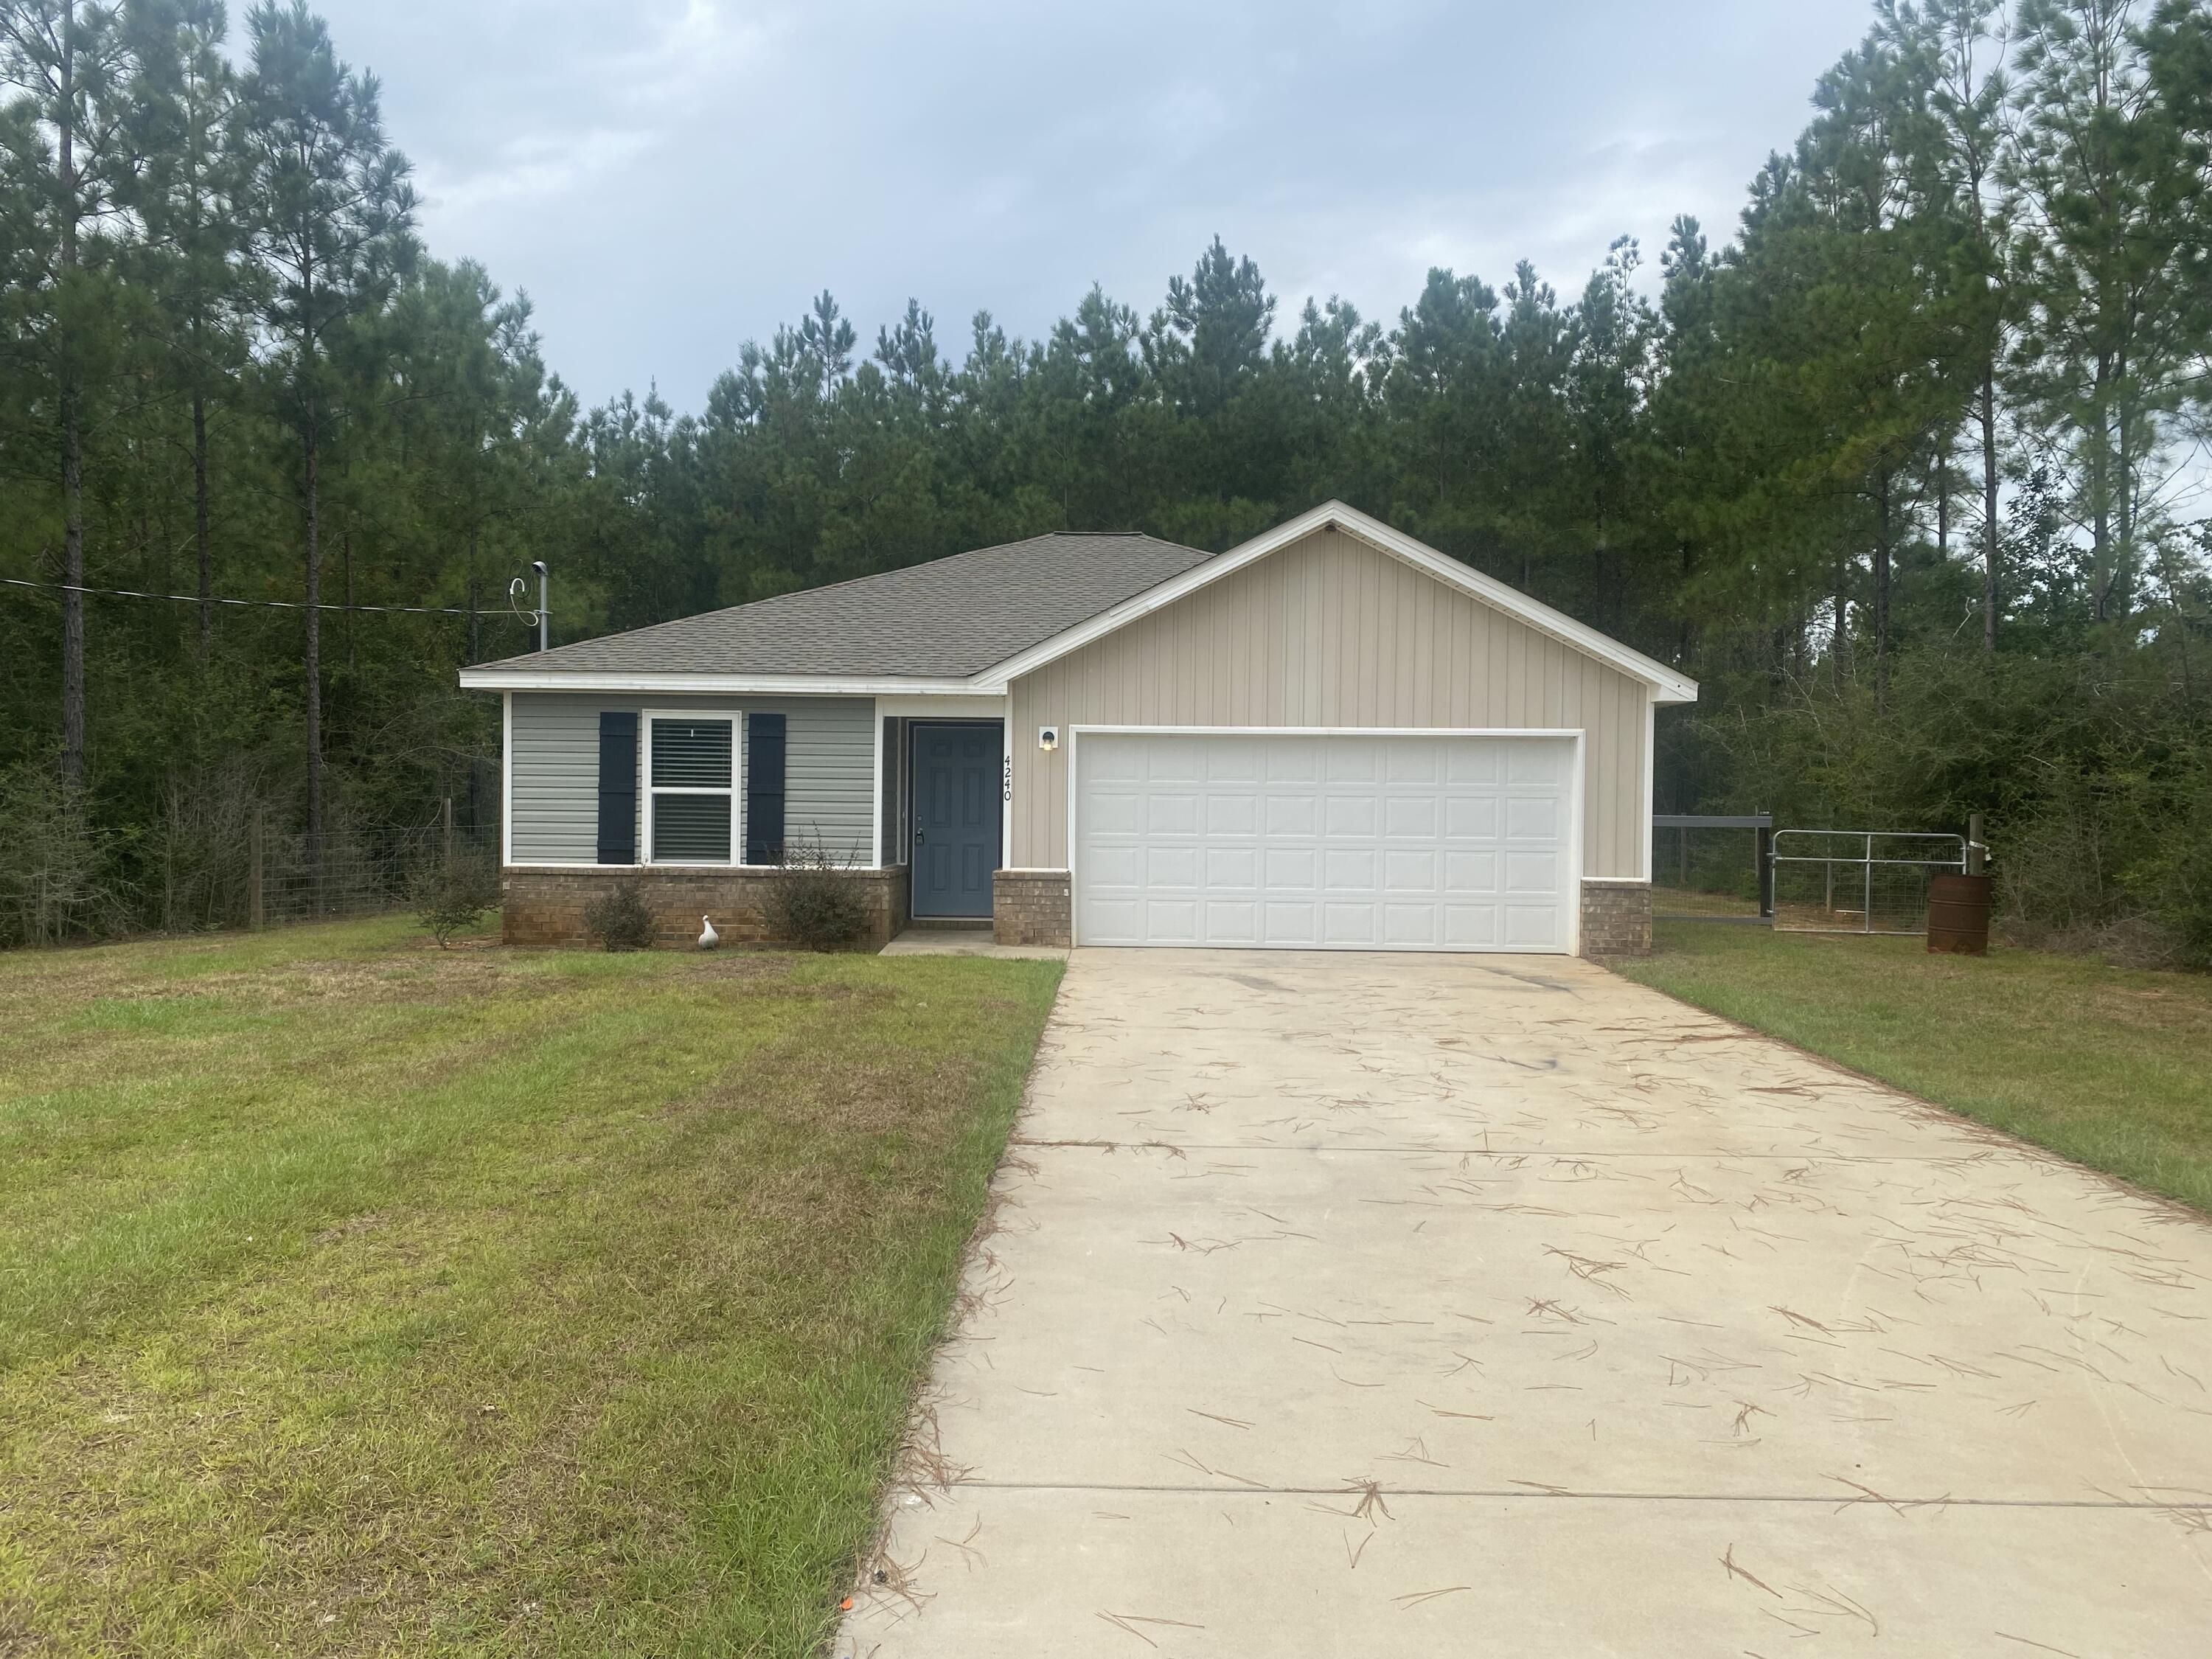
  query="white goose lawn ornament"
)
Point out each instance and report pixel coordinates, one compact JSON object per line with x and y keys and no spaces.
{"x":708,"y":939}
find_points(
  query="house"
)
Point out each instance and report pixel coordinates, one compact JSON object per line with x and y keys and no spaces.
{"x":1331,"y":737}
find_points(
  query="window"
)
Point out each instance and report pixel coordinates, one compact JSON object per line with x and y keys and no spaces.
{"x":692,"y":806}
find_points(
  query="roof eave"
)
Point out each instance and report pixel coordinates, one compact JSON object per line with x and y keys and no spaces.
{"x":509,"y":677}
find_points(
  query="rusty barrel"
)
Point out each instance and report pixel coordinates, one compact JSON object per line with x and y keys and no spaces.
{"x":1958,"y":915}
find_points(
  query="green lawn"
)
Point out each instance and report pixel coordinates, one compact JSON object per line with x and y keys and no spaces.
{"x":358,"y":1297}
{"x":2108,"y":1067}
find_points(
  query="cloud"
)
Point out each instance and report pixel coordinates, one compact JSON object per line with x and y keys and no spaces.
{"x":669,"y":178}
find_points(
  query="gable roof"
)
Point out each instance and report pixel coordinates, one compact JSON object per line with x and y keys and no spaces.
{"x":1666,"y":685}
{"x":947,"y":620}
{"x":976,"y":622}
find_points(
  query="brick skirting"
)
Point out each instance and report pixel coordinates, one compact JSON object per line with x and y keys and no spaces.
{"x":1616,"y":917}
{"x":1031,"y":907}
{"x":546,"y":907}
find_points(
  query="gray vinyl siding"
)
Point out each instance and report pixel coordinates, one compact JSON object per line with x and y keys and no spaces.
{"x":830,"y":768}
{"x":1330,"y":632}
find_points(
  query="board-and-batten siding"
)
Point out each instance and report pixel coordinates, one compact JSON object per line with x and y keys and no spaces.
{"x":830,"y":769}
{"x":1332,"y":632}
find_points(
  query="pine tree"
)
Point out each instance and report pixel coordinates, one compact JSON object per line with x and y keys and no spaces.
{"x":330,"y":215}
{"x":184,"y":122}
{"x":2107,"y":210}
{"x":66,"y":62}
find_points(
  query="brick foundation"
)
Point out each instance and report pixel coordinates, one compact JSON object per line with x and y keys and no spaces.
{"x":1031,"y":907}
{"x":546,"y":907}
{"x":1616,"y":919}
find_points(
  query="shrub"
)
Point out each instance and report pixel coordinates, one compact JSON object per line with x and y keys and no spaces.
{"x":57,"y":870}
{"x":452,"y":899}
{"x":619,"y":919}
{"x":810,"y":901}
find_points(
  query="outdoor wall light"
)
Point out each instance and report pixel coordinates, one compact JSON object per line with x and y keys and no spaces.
{"x":1047,"y":737}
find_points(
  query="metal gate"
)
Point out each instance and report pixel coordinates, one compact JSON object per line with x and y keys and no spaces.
{"x":1858,"y":881}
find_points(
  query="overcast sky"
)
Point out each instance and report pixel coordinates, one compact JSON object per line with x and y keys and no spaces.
{"x":667,"y":179}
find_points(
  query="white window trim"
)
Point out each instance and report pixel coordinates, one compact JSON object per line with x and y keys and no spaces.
{"x":735,"y":792}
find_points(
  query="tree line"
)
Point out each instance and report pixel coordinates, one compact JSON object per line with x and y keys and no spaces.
{"x":1907,"y":470}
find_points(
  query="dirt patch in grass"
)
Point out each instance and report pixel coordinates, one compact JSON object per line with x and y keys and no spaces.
{"x":476,"y":1302}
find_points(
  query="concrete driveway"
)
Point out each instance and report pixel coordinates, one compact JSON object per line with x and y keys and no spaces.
{"x":1364,"y":1306}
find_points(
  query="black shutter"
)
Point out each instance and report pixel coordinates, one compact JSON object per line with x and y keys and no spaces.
{"x":764,"y":745}
{"x":617,"y":788}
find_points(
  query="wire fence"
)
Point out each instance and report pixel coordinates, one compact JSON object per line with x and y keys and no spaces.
{"x":362,"y":870}
{"x":1858,"y":881}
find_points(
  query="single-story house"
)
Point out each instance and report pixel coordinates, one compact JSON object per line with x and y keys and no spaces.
{"x":1330,"y":737}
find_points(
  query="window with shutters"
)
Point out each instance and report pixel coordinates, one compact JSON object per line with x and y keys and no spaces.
{"x":691,"y":789}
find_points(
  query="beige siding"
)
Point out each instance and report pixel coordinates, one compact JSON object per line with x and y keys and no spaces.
{"x":1331,"y":632}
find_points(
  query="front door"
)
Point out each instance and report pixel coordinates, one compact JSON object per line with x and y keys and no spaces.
{"x":957,"y":772}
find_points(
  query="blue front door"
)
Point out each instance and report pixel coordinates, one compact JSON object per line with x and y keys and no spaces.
{"x":957,"y":772}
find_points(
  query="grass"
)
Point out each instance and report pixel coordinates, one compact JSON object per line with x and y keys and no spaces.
{"x":2105,"y":1066}
{"x":358,"y":1297}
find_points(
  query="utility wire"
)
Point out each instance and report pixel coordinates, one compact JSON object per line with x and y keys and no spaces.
{"x":273,"y":604}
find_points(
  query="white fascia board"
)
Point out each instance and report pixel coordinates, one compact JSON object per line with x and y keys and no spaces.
{"x":757,"y":685}
{"x":1667,"y":686}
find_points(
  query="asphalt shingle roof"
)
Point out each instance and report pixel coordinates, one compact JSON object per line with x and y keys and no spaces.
{"x":944,"y":620}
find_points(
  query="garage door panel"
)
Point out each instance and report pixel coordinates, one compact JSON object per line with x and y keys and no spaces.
{"x":1350,"y":867}
{"x":1348,"y":815}
{"x":1176,"y":762}
{"x":1336,"y":840}
{"x":1530,"y":926}
{"x":1343,"y":762}
{"x":1411,"y":817}
{"x":1532,"y":872}
{"x":1537,"y":765}
{"x":1114,"y":866}
{"x":1530,"y":818}
{"x":1425,"y":763}
{"x":1473,"y":766}
{"x":1470,"y":927}
{"x":1175,"y":814}
{"x":1411,"y":926}
{"x":1110,"y":812}
{"x":1172,"y":921}
{"x":1232,"y":813}
{"x":1232,"y":921}
{"x":1348,"y":925}
{"x":1472,"y":817}
{"x":1410,"y":871}
{"x":1235,"y":760}
{"x":1470,"y":871}
{"x":1168,"y":864}
{"x":1114,"y":922}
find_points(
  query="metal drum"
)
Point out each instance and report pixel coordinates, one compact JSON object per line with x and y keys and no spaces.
{"x":1958,"y":915}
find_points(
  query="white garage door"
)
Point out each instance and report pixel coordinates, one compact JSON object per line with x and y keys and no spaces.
{"x":1351,"y":841}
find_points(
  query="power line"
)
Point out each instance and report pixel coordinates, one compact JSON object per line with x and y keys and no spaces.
{"x":272,"y":604}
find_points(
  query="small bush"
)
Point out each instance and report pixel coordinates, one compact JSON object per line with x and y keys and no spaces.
{"x":619,"y":919}
{"x":451,"y":900}
{"x":811,"y":902}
